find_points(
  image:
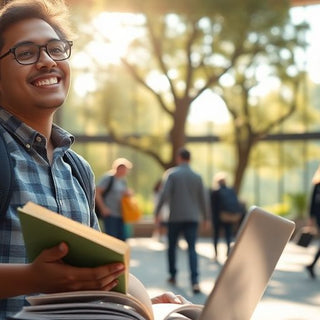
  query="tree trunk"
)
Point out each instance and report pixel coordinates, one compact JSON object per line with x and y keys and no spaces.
{"x":243,"y":150}
{"x":177,"y":133}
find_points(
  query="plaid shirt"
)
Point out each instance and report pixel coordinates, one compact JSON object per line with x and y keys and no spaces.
{"x":52,"y":186}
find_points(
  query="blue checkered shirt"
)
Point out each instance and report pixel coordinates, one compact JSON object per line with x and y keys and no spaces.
{"x":52,"y":186}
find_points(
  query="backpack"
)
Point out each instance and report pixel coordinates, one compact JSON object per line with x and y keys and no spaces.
{"x":230,"y":209}
{"x":78,"y":170}
{"x":108,"y":188}
{"x":228,"y":200}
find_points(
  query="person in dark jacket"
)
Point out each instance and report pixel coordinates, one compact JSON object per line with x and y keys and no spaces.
{"x":222,"y":198}
{"x":315,"y":217}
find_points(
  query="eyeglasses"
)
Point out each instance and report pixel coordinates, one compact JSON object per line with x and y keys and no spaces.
{"x":29,"y":53}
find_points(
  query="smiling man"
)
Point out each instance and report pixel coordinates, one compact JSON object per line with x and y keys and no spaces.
{"x":34,"y":81}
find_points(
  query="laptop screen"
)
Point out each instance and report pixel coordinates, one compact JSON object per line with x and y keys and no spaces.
{"x":243,"y":279}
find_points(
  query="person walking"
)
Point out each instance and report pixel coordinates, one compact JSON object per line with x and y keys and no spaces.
{"x":222,"y":199}
{"x":314,"y":220}
{"x":109,"y":192}
{"x":184,"y":192}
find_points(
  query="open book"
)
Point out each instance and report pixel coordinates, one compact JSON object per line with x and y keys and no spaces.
{"x":43,"y":228}
{"x":235,"y":295}
{"x":94,"y":305}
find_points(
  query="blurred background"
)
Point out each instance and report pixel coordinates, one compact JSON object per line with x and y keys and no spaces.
{"x":237,"y":82}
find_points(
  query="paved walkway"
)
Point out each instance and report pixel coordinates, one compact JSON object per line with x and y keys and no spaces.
{"x":290,"y":295}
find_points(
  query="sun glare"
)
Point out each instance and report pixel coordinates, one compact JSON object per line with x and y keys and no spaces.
{"x":209,"y":107}
{"x":310,"y":14}
{"x":84,"y":84}
{"x":115,"y":32}
{"x":112,"y":34}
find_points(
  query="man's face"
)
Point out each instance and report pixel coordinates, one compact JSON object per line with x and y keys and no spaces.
{"x":36,"y":89}
{"x":122,"y":171}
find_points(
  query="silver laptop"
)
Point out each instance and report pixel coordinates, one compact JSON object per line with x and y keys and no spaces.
{"x":244,"y":277}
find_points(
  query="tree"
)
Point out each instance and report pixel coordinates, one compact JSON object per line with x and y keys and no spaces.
{"x":227,"y":46}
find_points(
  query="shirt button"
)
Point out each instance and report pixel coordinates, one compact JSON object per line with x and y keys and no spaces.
{"x":28,"y":146}
{"x":38,"y":138}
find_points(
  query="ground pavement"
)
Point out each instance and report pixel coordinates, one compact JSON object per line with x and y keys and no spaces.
{"x":290,"y":295}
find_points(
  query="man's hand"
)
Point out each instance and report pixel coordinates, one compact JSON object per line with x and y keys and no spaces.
{"x":105,"y":212}
{"x":50,"y":274}
{"x":169,"y":297}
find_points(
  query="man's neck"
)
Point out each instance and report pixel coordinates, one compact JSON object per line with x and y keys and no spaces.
{"x":40,"y":120}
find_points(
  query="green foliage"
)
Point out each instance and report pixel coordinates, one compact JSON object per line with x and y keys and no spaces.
{"x":280,"y":209}
{"x":293,"y":206}
{"x":298,"y":204}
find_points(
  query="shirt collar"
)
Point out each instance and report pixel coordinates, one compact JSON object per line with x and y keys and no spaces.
{"x":27,"y":136}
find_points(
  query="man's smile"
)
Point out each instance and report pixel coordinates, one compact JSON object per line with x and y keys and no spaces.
{"x":45,"y":82}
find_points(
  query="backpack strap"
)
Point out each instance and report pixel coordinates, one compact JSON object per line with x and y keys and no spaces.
{"x":105,"y":192}
{"x":5,"y":177}
{"x":109,"y":186}
{"x":80,"y":172}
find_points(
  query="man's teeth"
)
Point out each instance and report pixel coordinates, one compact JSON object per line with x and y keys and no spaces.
{"x":46,"y":82}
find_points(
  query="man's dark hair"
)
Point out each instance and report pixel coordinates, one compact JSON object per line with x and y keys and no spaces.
{"x":184,"y":154}
{"x":54,"y":12}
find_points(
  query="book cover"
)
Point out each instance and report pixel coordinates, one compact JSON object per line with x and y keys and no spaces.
{"x":43,"y":228}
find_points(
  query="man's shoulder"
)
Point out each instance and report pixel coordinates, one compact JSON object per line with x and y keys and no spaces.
{"x":169,"y":173}
{"x":186,"y":171}
{"x":227,"y":193}
{"x":106,"y":177}
{"x":193,"y":172}
{"x":80,"y":159}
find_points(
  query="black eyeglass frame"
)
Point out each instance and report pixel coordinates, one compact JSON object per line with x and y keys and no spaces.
{"x":45,"y":46}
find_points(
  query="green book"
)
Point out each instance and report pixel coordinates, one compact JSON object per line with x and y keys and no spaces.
{"x":43,"y":229}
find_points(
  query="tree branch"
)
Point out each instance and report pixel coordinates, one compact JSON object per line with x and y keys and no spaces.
{"x":157,"y":48}
{"x":141,"y":81}
{"x":189,"y":67}
{"x":134,"y":144}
